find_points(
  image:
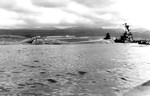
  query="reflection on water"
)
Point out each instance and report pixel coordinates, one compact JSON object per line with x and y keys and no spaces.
{"x":73,"y":70}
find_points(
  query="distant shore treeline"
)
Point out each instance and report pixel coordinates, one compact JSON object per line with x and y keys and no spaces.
{"x":70,"y":31}
{"x":56,"y":32}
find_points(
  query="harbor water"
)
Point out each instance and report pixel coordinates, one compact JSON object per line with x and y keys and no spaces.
{"x":73,"y":70}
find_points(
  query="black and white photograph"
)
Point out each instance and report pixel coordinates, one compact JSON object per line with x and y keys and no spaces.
{"x":74,"y":48}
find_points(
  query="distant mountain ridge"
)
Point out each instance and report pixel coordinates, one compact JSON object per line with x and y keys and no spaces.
{"x":74,"y":31}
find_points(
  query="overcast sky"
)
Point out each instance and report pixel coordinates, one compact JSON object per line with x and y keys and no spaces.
{"x":64,"y":13}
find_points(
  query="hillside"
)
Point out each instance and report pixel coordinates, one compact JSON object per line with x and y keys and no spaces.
{"x":73,"y":31}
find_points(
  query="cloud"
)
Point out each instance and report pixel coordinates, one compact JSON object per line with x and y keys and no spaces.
{"x":39,"y":13}
{"x":36,"y":13}
{"x":7,"y":4}
{"x":9,"y":19}
{"x":96,"y":3}
{"x":18,"y":6}
{"x":50,"y":3}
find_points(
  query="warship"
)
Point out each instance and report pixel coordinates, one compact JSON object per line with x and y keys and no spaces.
{"x":127,"y":36}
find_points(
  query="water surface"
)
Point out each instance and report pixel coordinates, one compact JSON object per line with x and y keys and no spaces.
{"x":73,"y":70}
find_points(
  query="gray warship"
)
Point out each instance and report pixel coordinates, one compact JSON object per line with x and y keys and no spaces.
{"x":127,"y":36}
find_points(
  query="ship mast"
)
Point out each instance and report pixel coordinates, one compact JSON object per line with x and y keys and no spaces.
{"x":126,"y":28}
{"x":127,"y":35}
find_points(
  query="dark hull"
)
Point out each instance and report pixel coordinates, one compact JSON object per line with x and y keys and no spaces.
{"x":144,"y":42}
{"x":123,"y":41}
